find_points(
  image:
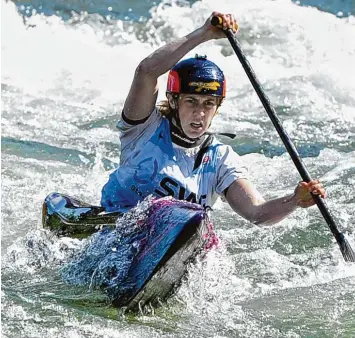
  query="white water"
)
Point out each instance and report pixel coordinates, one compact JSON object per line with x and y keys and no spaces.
{"x":63,"y":86}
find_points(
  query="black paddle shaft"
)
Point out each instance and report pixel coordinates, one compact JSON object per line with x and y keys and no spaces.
{"x":286,"y":140}
{"x":281,"y":130}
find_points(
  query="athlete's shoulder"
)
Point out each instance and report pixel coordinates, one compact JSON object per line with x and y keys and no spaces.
{"x":224,"y":152}
{"x":220,"y":146}
{"x":125,"y":124}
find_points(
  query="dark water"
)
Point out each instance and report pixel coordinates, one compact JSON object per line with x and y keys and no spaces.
{"x":340,"y":8}
{"x":139,"y":9}
{"x":123,"y":10}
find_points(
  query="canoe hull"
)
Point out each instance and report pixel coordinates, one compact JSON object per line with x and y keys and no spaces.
{"x":173,"y":233}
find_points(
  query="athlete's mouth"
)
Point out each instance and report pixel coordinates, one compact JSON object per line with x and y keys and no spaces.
{"x":196,"y":125}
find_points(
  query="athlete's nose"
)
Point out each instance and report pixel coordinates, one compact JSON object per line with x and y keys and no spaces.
{"x":199,"y":110}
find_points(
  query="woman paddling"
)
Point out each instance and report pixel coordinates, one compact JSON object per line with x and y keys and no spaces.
{"x":166,"y":150}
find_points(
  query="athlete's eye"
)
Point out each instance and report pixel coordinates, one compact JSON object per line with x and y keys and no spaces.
{"x":209,"y":104}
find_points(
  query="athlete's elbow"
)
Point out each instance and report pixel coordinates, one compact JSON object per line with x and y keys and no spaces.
{"x":266,"y":219}
{"x":145,"y":68}
{"x":255,"y":219}
{"x":250,"y":216}
{"x":258,"y":218}
{"x":263,"y":221}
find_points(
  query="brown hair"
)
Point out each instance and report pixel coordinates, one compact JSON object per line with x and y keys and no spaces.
{"x":164,"y":107}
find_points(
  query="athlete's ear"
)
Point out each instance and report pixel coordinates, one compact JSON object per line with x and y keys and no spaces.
{"x":172,"y":101}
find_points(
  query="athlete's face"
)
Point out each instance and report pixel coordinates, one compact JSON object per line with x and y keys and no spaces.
{"x":196,"y":113}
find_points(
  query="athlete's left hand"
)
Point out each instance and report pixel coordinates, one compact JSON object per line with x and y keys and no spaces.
{"x":302,"y":193}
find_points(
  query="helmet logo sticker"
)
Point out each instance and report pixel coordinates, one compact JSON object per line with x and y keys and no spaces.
{"x":204,"y":85}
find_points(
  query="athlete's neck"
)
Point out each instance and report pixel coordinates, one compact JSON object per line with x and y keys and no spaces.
{"x":180,"y":138}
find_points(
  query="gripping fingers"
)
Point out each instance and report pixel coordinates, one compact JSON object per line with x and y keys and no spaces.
{"x":224,"y":21}
{"x":305,"y":190}
{"x":316,"y":188}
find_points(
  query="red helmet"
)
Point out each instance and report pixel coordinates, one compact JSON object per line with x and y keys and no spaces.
{"x":197,"y":76}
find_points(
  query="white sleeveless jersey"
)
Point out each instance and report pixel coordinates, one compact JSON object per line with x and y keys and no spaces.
{"x":151,"y":164}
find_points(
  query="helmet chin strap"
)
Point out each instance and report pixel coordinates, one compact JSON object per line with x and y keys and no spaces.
{"x":178,"y":136}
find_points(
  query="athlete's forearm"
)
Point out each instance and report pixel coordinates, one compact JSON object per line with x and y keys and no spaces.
{"x":245,"y":200}
{"x":167,"y":56}
{"x":273,"y":211}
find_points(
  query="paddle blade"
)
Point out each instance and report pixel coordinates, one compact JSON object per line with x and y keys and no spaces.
{"x":345,"y":248}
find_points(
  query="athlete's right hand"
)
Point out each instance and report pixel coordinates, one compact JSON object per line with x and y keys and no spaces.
{"x":228,"y":22}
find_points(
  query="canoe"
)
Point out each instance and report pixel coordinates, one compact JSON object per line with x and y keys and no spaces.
{"x":158,"y":241}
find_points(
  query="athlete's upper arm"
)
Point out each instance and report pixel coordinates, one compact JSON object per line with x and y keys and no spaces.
{"x":243,"y":197}
{"x":142,"y":95}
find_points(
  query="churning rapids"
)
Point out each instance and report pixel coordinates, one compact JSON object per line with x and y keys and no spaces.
{"x":64,"y":80}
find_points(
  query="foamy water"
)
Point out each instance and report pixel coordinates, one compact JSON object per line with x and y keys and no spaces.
{"x":63,"y":87}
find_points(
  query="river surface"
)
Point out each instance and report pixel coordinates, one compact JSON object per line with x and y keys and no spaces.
{"x":66,"y":69}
